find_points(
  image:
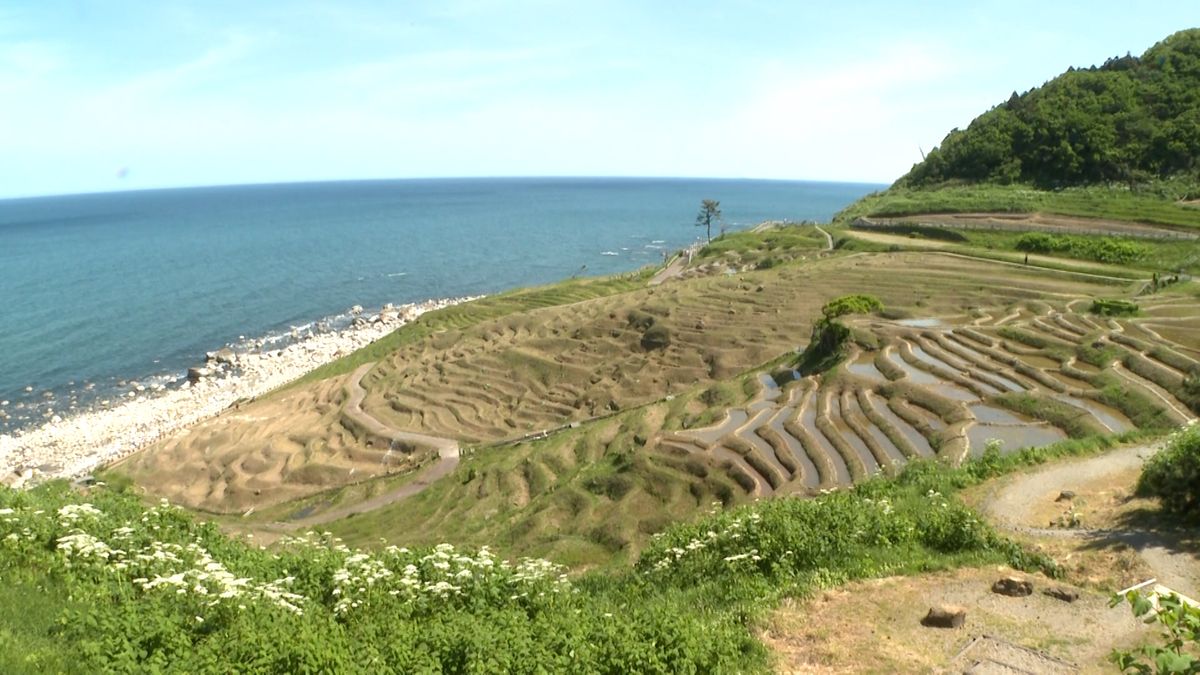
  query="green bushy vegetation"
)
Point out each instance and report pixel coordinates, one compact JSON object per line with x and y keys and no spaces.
{"x":773,"y":244}
{"x":1100,"y":249}
{"x":1173,"y":475}
{"x":135,"y":589}
{"x":1113,"y":307}
{"x":1154,"y":255}
{"x":99,"y":582}
{"x":829,"y":336}
{"x":1116,"y":142}
{"x":1127,"y":121}
{"x":1179,"y":645}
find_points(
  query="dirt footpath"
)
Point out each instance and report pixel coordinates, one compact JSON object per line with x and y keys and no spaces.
{"x":1110,"y":519}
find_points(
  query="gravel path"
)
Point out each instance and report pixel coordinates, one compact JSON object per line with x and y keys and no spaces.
{"x":1013,"y":503}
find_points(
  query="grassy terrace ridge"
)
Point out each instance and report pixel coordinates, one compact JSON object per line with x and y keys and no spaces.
{"x":458,"y":317}
{"x":1099,"y":202}
{"x":1149,"y":256}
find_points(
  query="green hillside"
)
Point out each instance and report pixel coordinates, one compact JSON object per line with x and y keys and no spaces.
{"x":1132,"y":120}
{"x":1114,"y":142}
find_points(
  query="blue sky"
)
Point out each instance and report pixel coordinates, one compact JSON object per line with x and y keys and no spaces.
{"x":115,"y":95}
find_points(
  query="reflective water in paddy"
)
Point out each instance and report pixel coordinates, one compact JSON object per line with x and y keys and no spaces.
{"x":921,"y":323}
{"x":913,"y":373}
{"x":881,"y":438}
{"x":860,"y":448}
{"x":864,"y":366}
{"x":1013,"y":437}
{"x":914,"y":437}
{"x":808,"y":420}
{"x":1109,"y":417}
{"x":954,"y":392}
{"x":735,"y":417}
{"x":993,"y":415}
{"x":806,"y":466}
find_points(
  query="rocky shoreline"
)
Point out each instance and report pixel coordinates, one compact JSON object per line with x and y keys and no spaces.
{"x":73,"y":446}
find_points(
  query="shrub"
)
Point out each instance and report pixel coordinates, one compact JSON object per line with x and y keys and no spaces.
{"x":829,"y":336}
{"x":1173,"y":475}
{"x":640,"y":320}
{"x":1113,"y":307}
{"x":656,"y":337}
{"x":1100,"y":249}
{"x":851,"y":304}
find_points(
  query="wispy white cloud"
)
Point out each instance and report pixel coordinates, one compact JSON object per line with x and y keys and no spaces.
{"x":28,"y":62}
{"x":233,"y":47}
{"x":864,"y":116}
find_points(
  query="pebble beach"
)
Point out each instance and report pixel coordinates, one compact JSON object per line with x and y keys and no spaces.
{"x":73,"y":446}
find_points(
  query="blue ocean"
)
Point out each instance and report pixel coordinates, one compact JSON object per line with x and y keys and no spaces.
{"x":98,"y":289}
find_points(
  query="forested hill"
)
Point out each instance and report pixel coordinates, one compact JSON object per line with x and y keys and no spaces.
{"x":1130,"y":120}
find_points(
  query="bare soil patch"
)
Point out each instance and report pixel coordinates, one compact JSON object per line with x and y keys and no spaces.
{"x":874,"y":626}
{"x":264,"y":453}
{"x":1039,"y":221}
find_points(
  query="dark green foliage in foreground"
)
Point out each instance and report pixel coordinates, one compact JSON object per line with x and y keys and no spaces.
{"x":1128,"y":121}
{"x":1173,"y":475}
{"x":104,"y":584}
{"x":1113,"y":307}
{"x":1180,"y":636}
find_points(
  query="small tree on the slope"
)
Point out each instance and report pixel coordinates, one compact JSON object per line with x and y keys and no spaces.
{"x":829,"y":335}
{"x":710,"y":210}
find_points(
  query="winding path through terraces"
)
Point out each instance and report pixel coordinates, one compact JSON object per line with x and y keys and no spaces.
{"x":1013,"y":503}
{"x":447,"y":451}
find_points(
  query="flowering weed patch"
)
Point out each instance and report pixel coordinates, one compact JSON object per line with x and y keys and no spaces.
{"x":150,"y":589}
{"x":101,"y":583}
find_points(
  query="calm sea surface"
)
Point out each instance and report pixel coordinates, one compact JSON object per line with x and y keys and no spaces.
{"x":100,"y":288}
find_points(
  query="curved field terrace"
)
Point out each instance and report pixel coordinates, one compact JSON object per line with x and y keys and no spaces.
{"x":937,"y":388}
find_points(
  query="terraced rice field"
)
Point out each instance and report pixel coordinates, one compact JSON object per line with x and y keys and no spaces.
{"x":940,"y":385}
{"x":518,"y":374}
{"x":934,"y":388}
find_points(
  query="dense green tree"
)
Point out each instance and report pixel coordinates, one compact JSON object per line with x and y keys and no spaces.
{"x":1129,"y":121}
